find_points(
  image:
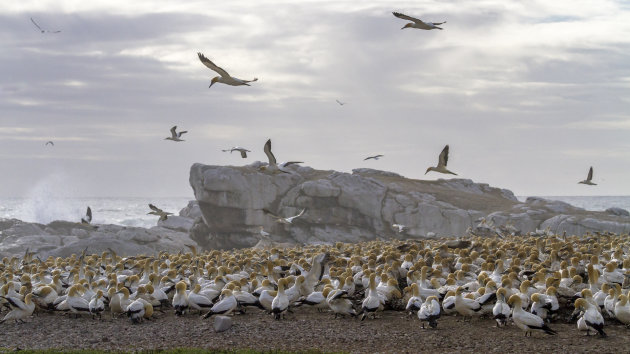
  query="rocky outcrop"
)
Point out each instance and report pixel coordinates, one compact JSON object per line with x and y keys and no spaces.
{"x":62,"y":238}
{"x":363,"y":205}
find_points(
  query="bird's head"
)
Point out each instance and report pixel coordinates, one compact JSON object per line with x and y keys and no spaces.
{"x":409,"y":25}
{"x":214,"y":81}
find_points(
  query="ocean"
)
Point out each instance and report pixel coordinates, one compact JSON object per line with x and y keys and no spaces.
{"x":133,"y":211}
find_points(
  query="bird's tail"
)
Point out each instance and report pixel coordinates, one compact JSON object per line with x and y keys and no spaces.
{"x":549,"y":330}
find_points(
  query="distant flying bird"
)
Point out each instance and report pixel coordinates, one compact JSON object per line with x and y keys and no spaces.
{"x":88,"y":216}
{"x":375,"y":157}
{"x":243,"y":151}
{"x":589,"y":178}
{"x":273,"y":165}
{"x":442,"y":161}
{"x":225,"y":78}
{"x":157,"y":211}
{"x":263,"y":234}
{"x":340,"y":103}
{"x":49,"y":142}
{"x":399,"y":227}
{"x":175,"y":136}
{"x":282,"y":220}
{"x":41,"y":29}
{"x":418,"y":23}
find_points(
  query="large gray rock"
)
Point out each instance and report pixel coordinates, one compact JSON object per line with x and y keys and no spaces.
{"x":364,"y":204}
{"x":222,"y":323}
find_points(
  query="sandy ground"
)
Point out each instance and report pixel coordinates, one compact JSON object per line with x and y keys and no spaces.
{"x":306,"y":329}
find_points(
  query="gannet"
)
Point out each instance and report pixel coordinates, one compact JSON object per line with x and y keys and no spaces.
{"x":273,"y":166}
{"x":591,"y":317}
{"x":49,"y":142}
{"x":442,"y":161}
{"x":465,"y":306}
{"x":175,"y":136}
{"x":526,"y":321}
{"x":622,"y":309}
{"x":19,"y":309}
{"x":338,"y":302}
{"x":417,"y":23}
{"x":41,"y":29}
{"x":399,"y":227}
{"x":429,"y":312}
{"x":375,"y":157}
{"x":197,"y":301}
{"x":281,"y":220}
{"x":501,"y":310}
{"x":340,"y":103}
{"x":76,"y":303}
{"x":225,"y":78}
{"x":589,"y":178}
{"x":96,"y":305}
{"x":88,"y":216}
{"x":157,"y":211}
{"x":243,"y":151}
{"x":226,"y":306}
{"x":180,"y":299}
{"x":280,"y":303}
{"x":372,"y":302}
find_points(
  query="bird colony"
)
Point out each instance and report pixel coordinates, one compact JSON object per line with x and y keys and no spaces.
{"x":530,"y":281}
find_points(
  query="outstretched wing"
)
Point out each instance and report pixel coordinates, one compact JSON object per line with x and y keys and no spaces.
{"x":173,"y":132}
{"x":341,"y":103}
{"x":288,"y":163}
{"x":590,"y":174}
{"x":179,"y":135}
{"x":271,"y":214}
{"x":443,"y":160}
{"x":154,"y":208}
{"x":405,"y":17}
{"x":267,"y":148}
{"x":207,"y":62}
{"x":88,"y":214}
{"x":36,"y":25}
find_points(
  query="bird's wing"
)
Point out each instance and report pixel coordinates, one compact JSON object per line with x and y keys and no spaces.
{"x":340,"y":102}
{"x":207,"y":62}
{"x":300,"y":214}
{"x":590,"y":174}
{"x":182,"y":132}
{"x":288,"y":163}
{"x":35,"y":23}
{"x":173,"y":132}
{"x":369,"y":157}
{"x":271,"y":214}
{"x":54,"y":31}
{"x":443,"y":160}
{"x":244,"y":154}
{"x":272,"y":159}
{"x":380,"y":155}
{"x":88,"y":214}
{"x":405,"y":17}
{"x":154,"y":208}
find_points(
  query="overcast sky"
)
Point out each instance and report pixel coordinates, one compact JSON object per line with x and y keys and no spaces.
{"x":528,"y":94}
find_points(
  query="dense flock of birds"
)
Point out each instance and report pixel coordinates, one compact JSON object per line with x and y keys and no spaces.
{"x":531,"y":281}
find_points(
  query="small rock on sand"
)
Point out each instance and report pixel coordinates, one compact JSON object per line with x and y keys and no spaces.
{"x":222,"y":323}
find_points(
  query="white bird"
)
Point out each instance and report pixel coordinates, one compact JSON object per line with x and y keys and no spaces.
{"x":340,"y":103}
{"x":41,"y":29}
{"x":338,"y":302}
{"x":19,"y":309}
{"x":225,"y":78}
{"x":527,"y":321}
{"x":399,"y":227}
{"x":226,"y":306}
{"x":375,"y":157}
{"x":429,"y":311}
{"x":589,"y":178}
{"x":591,"y":318}
{"x":180,"y":299}
{"x":88,"y":216}
{"x":417,"y":23}
{"x":243,"y":151}
{"x":281,"y":220}
{"x":96,"y":305}
{"x":442,"y":161}
{"x":280,"y":303}
{"x":159,"y":212}
{"x":49,"y":142}
{"x":175,"y":136}
{"x":501,"y":310}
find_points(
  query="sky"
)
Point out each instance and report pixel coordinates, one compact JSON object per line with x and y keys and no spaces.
{"x":528,"y":94}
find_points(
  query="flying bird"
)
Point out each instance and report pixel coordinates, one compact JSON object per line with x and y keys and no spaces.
{"x":273,"y":165}
{"x":157,"y":211}
{"x":243,"y":151}
{"x":41,"y":29}
{"x":399,"y":227}
{"x":282,"y":220}
{"x":340,"y":103}
{"x":442,"y":161}
{"x":375,"y":157}
{"x":49,"y":142}
{"x":418,"y":23}
{"x":175,"y":136}
{"x":225,"y":78}
{"x":589,"y":178}
{"x":88,"y":216}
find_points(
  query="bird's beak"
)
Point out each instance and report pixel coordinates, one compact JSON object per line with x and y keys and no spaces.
{"x":403,"y":28}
